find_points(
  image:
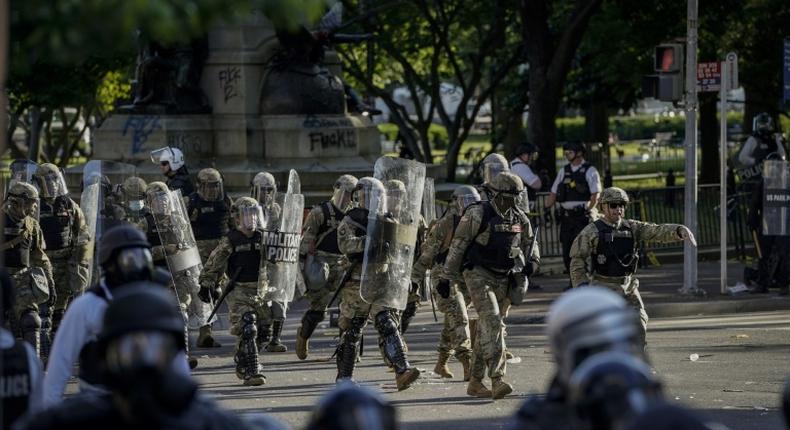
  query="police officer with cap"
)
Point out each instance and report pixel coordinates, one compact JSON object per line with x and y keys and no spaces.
{"x":172,"y":165}
{"x":576,"y":189}
{"x":141,"y":336}
{"x":125,"y":257}
{"x":611,"y":245}
{"x":526,"y":154}
{"x":21,"y":369}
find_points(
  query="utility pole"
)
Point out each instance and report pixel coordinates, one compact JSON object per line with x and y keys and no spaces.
{"x":690,"y":210}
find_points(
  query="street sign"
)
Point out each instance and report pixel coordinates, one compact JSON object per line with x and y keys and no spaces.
{"x":708,"y":77}
{"x":786,"y":68}
{"x":731,"y":63}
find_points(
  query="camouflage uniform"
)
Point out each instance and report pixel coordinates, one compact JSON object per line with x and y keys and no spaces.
{"x":488,"y":286}
{"x":414,"y":299}
{"x":455,"y":337}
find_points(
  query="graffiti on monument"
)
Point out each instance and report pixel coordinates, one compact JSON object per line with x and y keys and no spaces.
{"x":338,"y":138}
{"x":229,"y":78}
{"x":313,"y":121}
{"x":188,"y":143}
{"x":140,"y":127}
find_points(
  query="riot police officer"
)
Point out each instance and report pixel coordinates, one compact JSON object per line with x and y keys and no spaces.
{"x":490,"y":248}
{"x":760,"y":144}
{"x":27,"y":263}
{"x":209,"y":212}
{"x":270,"y":325}
{"x":238,"y":255}
{"x":580,"y":323}
{"x":66,"y":237}
{"x":611,"y":245}
{"x":352,"y":235}
{"x":452,"y":300}
{"x":141,"y":335}
{"x":324,"y":263}
{"x":21,"y":369}
{"x":133,"y":201}
{"x":576,"y":188}
{"x":124,"y":256}
{"x":492,"y":165}
{"x":526,"y":154}
{"x":172,"y":165}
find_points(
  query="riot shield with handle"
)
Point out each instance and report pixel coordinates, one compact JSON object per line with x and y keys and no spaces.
{"x":21,"y":170}
{"x":294,"y":183}
{"x":776,"y":198}
{"x":181,"y":251}
{"x":101,"y":181}
{"x":392,"y":228}
{"x":281,"y":238}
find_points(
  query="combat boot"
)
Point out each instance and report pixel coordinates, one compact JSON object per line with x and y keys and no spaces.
{"x":302,"y":345}
{"x":476,"y":388}
{"x":500,"y":388}
{"x":466,"y":362}
{"x":441,"y":368}
{"x":405,"y":379}
{"x":274,"y":344}
{"x":205,"y":339}
{"x":263,"y":336}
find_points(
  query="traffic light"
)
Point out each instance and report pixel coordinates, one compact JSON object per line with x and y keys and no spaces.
{"x":667,"y":84}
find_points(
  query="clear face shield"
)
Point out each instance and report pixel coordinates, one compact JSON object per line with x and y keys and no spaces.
{"x":134,"y":263}
{"x":211,"y":191}
{"x":52,"y":185}
{"x":251,"y":218}
{"x":342,"y":199}
{"x":162,"y":154}
{"x":506,"y":201}
{"x":20,"y":206}
{"x":462,"y":202}
{"x":763,"y":124}
{"x":490,"y":171}
{"x":394,"y":202}
{"x":264,"y":193}
{"x":141,"y":350}
{"x":136,"y":205}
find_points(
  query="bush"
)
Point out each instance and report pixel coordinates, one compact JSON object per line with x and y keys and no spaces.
{"x":437,"y":134}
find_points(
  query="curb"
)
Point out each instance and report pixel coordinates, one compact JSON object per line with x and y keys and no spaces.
{"x":681,"y":309}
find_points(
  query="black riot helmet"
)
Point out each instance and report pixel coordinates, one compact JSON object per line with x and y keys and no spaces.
{"x":125,"y":256}
{"x":574,"y":146}
{"x":351,"y":407}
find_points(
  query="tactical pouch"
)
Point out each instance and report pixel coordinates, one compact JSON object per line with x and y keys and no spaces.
{"x":39,"y":286}
{"x":517,"y":288}
{"x":316,"y":273}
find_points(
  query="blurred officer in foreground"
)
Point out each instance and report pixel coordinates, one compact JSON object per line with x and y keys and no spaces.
{"x":21,"y":369}
{"x":324,"y":264}
{"x":142,"y":334}
{"x":611,"y":245}
{"x":353,"y":407}
{"x":581,"y":323}
{"x":125,"y":257}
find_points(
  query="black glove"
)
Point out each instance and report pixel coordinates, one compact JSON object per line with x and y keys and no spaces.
{"x":443,"y":288}
{"x":414,"y":288}
{"x":208,"y":294}
{"x":528,"y":269}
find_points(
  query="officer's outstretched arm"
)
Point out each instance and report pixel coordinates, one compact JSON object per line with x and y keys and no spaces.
{"x":581,"y":249}
{"x":648,"y":232}
{"x":464,"y":234}
{"x":216,"y":264}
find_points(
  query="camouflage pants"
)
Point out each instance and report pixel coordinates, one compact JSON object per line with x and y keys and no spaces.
{"x":272,"y":310}
{"x":352,"y":306}
{"x":488,"y":293}
{"x":630,"y":292}
{"x":199,"y":310}
{"x":455,"y":332}
{"x":318,"y":299}
{"x":70,"y":279}
{"x":246,"y":297}
{"x":24,"y":301}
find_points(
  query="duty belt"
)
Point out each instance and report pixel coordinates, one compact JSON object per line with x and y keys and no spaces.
{"x":573,"y":213}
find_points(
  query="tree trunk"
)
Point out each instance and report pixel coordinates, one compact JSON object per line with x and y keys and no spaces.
{"x":709,"y":131}
{"x":596,"y":131}
{"x":453,"y":149}
{"x":541,"y":128}
{"x":34,"y":137}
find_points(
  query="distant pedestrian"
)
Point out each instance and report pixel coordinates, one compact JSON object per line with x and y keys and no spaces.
{"x":669,"y":194}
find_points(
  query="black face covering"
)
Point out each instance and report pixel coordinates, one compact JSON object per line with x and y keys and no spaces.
{"x":504,"y":202}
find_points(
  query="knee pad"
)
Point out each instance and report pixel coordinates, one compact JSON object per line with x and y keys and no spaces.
{"x":30,"y":321}
{"x":249,"y":328}
{"x":314,"y":317}
{"x":354,"y":333}
{"x":385,"y":323}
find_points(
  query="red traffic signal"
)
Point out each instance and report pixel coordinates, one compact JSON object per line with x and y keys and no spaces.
{"x":669,"y":58}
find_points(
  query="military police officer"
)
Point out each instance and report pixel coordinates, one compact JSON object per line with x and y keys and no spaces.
{"x":66,"y":236}
{"x":576,"y":188}
{"x":606,"y":251}
{"x":492,"y":165}
{"x":27,"y":263}
{"x":133,"y":201}
{"x":453,"y":298}
{"x":238,"y":255}
{"x":209,"y":212}
{"x":490,"y":241}
{"x":323,"y":261}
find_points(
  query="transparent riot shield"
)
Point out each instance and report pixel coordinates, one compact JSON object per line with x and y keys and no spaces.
{"x":294,"y":184}
{"x":22,"y":170}
{"x":100,"y":202}
{"x":776,"y":198}
{"x":428,"y":209}
{"x":281,"y":239}
{"x":181,"y":251}
{"x":393,"y":223}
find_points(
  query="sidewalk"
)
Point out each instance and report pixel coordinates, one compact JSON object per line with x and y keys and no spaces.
{"x":659,"y":289}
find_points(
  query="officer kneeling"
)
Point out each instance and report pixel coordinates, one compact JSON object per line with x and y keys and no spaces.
{"x":611,"y":245}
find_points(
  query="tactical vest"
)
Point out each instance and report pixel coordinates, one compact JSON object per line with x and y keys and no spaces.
{"x":359,"y":216}
{"x":442,"y":256}
{"x":245,"y":254}
{"x":55,"y":221}
{"x":90,"y":355}
{"x":574,"y":187}
{"x":181,"y":182}
{"x":18,"y":256}
{"x":211,"y":220}
{"x":15,"y":384}
{"x":616,"y":254}
{"x":503,"y":235}
{"x":327,"y":233}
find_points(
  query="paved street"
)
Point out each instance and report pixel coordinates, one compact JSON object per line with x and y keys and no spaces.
{"x":737,"y":379}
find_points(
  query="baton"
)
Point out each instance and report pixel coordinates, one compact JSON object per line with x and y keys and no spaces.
{"x":757,"y":245}
{"x":343,"y":281}
{"x":228,"y":288}
{"x":433,"y":305}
